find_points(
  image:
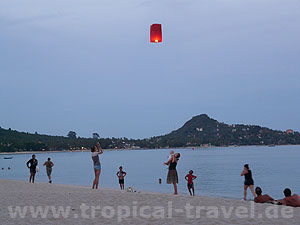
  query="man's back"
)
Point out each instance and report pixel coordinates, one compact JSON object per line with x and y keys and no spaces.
{"x":48,"y":164}
{"x":293,"y":200}
{"x":263,"y":199}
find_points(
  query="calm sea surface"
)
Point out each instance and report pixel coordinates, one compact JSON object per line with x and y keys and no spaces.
{"x":218,"y":169}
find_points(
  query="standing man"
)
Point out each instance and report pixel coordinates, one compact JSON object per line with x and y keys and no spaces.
{"x":49,"y":166}
{"x":33,"y":164}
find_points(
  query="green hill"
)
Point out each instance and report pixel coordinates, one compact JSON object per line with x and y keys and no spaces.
{"x":201,"y":130}
{"x":11,"y":141}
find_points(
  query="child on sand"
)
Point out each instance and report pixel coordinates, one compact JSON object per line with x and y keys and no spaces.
{"x":121,"y":174}
{"x":189,"y":178}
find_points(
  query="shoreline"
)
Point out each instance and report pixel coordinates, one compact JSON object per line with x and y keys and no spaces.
{"x":114,"y":189}
{"x":50,"y":204}
{"x":137,"y":191}
{"x":136,"y":149}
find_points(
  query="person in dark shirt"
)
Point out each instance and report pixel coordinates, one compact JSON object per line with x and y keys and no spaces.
{"x":172,"y":177}
{"x":121,"y":174}
{"x":262,"y":198}
{"x":33,"y":164}
{"x":248,"y":181}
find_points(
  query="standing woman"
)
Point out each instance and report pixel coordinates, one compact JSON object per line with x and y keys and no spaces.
{"x":248,"y":181}
{"x":97,"y":165}
{"x":172,"y":177}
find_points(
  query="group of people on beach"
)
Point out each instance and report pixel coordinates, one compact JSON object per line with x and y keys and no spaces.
{"x":32,"y":165}
{"x":95,"y":152}
{"x":288,"y":200}
{"x":172,"y":178}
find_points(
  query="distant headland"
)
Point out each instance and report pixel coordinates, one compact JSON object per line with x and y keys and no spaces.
{"x":200,"y":131}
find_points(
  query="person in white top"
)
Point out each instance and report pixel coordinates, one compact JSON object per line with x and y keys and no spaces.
{"x":96,"y":150}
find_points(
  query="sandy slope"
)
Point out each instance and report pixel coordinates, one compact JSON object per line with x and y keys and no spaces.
{"x":85,"y":206}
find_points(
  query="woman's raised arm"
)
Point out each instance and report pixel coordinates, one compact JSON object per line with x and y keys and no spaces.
{"x":100,"y":151}
{"x":169,"y":161}
{"x":244,"y":172}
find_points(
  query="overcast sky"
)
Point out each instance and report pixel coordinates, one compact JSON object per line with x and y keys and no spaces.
{"x":88,"y":66}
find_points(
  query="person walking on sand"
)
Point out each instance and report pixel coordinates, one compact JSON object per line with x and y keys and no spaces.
{"x":172,"y":177}
{"x":96,"y":150}
{"x":49,"y":166}
{"x":189,"y":178}
{"x":121,"y":175}
{"x":33,"y":164}
{"x":248,"y":181}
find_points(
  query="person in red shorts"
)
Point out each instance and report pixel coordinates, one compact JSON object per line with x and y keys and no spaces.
{"x":190,"y":177}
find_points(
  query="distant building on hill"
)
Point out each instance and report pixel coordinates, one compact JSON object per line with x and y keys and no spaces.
{"x":289,"y":131}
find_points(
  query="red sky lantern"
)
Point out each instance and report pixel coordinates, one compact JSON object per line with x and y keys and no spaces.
{"x":155,"y":33}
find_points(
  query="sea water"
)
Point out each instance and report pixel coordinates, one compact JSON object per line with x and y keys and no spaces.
{"x":217,"y":169}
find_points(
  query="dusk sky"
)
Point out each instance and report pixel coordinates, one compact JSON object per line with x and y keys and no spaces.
{"x":88,"y":66}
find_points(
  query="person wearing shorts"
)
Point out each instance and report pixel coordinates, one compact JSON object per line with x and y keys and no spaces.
{"x":121,"y":175}
{"x":190,"y":185}
{"x":49,"y":166}
{"x":33,"y":164}
{"x":249,"y":182}
{"x":95,"y":152}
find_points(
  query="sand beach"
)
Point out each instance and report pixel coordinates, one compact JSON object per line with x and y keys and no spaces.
{"x":48,"y":204}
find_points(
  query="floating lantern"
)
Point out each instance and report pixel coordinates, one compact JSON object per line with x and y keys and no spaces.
{"x":155,"y":33}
